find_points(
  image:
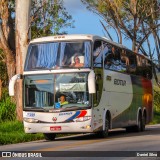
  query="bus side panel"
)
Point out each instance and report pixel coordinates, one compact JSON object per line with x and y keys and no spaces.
{"x":140,"y":97}
{"x":119,"y":89}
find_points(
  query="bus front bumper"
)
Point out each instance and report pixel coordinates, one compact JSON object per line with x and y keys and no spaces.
{"x":72,"y":127}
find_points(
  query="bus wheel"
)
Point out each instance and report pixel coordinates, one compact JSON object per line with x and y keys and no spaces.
{"x":143,"y":123}
{"x":138,"y":127}
{"x":49,"y":136}
{"x":104,"y":133}
{"x":129,"y":129}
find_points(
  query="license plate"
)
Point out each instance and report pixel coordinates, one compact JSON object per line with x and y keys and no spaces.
{"x":55,"y":128}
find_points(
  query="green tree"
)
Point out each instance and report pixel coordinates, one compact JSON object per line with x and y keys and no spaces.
{"x":49,"y":17}
{"x":129,"y":18}
{"x":3,"y":73}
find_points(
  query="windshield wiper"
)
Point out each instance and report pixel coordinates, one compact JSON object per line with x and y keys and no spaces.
{"x":33,"y":109}
{"x":73,"y":108}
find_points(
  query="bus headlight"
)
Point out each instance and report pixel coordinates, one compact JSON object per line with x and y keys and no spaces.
{"x":81,"y":119}
{"x":31,"y":120}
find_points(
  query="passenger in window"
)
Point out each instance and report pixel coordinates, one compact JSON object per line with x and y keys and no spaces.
{"x":124,"y":58}
{"x":112,"y":57}
{"x":76,"y":62}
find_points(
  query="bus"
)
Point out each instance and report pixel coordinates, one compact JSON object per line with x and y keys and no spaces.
{"x":112,"y":88}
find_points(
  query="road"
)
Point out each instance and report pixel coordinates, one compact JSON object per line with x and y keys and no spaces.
{"x":143,"y":145}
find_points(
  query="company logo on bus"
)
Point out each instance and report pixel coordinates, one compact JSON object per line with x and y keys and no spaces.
{"x":65,"y":113}
{"x":54,"y":119}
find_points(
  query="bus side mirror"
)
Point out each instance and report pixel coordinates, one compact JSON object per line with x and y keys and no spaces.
{"x":91,"y":82}
{"x":12,"y":83}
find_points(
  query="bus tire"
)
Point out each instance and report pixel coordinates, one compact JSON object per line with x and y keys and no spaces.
{"x":143,"y":123}
{"x":104,"y":133}
{"x":49,"y":136}
{"x":129,"y":129}
{"x":138,"y":127}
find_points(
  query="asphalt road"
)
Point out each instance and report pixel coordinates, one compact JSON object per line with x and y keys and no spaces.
{"x":118,"y":145}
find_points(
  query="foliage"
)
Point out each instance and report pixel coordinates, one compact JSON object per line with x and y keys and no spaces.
{"x":49,"y":17}
{"x":157,"y":100}
{"x":7,"y":107}
{"x":3,"y":69}
{"x":156,"y":119}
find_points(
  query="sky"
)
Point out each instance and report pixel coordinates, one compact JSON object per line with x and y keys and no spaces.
{"x":86,"y":22}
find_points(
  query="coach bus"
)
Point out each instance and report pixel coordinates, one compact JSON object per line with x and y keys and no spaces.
{"x":111,"y":88}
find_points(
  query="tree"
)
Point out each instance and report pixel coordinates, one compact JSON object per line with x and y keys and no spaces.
{"x":49,"y":17}
{"x":128,"y":18}
{"x":22,"y":26}
{"x":3,"y":73}
{"x":7,"y":37}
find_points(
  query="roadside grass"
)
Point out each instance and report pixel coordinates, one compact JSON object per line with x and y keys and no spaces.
{"x":12,"y":132}
{"x":156,"y":117}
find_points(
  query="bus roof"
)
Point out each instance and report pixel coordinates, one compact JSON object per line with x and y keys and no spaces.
{"x":74,"y":37}
{"x":66,"y":38}
{"x":69,"y":37}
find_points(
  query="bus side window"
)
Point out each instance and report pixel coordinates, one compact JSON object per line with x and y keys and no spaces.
{"x":144,"y":67}
{"x":97,"y":54}
{"x":132,"y":63}
{"x":112,"y":59}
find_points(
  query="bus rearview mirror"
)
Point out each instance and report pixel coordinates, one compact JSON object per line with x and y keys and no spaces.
{"x":12,"y":83}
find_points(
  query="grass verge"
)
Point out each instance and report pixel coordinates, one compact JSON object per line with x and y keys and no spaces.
{"x":156,"y":118}
{"x":13,"y":132}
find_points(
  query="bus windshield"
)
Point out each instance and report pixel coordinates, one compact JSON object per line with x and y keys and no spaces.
{"x":48,"y":92}
{"x":53,"y":55}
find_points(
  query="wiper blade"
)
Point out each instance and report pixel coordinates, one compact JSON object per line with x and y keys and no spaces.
{"x":34,"y":108}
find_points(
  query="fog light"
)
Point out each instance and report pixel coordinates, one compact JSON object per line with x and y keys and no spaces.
{"x":27,"y":128}
{"x":87,"y":127}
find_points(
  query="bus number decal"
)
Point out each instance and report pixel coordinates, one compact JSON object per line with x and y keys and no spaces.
{"x":30,"y":114}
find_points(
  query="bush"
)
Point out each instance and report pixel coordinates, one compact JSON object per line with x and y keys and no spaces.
{"x":7,"y":108}
{"x":157,"y":100}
